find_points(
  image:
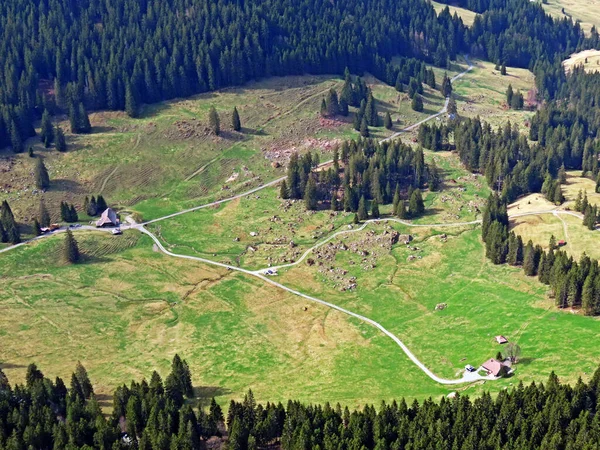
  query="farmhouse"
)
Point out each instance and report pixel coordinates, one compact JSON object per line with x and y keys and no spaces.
{"x":501,"y":340}
{"x":495,"y":368}
{"x":108,"y":218}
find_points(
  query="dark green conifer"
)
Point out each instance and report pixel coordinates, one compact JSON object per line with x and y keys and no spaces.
{"x":236,"y":123}
{"x":213,"y":121}
{"x":362,"y":209}
{"x":71,"y":249}
{"x":42,"y":179}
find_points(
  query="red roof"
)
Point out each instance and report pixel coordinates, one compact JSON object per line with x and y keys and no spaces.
{"x":493,"y":367}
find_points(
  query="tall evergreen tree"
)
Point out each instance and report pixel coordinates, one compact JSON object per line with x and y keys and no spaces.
{"x":71,"y":249}
{"x":362,"y":209}
{"x":47,"y":131}
{"x":42,"y":179}
{"x":214,"y":121}
{"x":236,"y":123}
{"x":61,"y":142}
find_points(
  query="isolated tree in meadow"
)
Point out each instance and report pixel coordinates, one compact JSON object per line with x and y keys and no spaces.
{"x":388,"y":121}
{"x":503,"y":69}
{"x":79,"y":120}
{"x":61,"y":142}
{"x":9,"y":224}
{"x":513,"y":352}
{"x":371,"y":111}
{"x":47,"y":131}
{"x":71,"y":249}
{"x":446,"y":88}
{"x":417,"y":103}
{"x":44,"y":214}
{"x":400,"y":211}
{"x":236,"y":123}
{"x":30,"y":152}
{"x":310,"y":194}
{"x":355,"y":219}
{"x":42,"y":179}
{"x":362,"y":209}
{"x":213,"y":121}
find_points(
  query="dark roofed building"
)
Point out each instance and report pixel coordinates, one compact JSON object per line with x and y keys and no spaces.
{"x":108,"y":218}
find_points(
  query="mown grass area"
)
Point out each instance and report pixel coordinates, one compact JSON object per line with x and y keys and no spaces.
{"x":586,"y":12}
{"x":125,"y":314}
{"x":482,"y":300}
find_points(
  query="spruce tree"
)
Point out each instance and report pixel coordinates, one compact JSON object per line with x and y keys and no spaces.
{"x":131,"y":103}
{"x":3,"y":233}
{"x":364,"y":128}
{"x":332,"y":103}
{"x":509,"y":95}
{"x":416,"y":207}
{"x":92,"y":209}
{"x":401,"y":212}
{"x":375,"y":209}
{"x":83,"y":121}
{"x":36,"y":227}
{"x":283,"y":190}
{"x":47,"y":131}
{"x":44,"y":214}
{"x":503,"y":69}
{"x":334,"y":202}
{"x":30,"y":152}
{"x":323,"y":107}
{"x":417,"y":103}
{"x":388,"y":121}
{"x":71,"y":249}
{"x":236,"y":123}
{"x":213,"y":121}
{"x":529,"y":260}
{"x":15,"y":139}
{"x":61,"y":142}
{"x":310,"y":194}
{"x":42,"y":179}
{"x":362,"y":209}
{"x":101,"y":204}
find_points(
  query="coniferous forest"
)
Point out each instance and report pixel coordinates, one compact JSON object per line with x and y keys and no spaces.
{"x":73,"y":56}
{"x":46,"y":414}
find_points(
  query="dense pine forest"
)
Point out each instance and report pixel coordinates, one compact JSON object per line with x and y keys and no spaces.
{"x":45,"y":414}
{"x":373,"y":174}
{"x":69,"y":56}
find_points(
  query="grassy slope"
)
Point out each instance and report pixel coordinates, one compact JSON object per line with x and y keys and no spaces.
{"x":483,"y":301}
{"x":166,"y":161}
{"x":126,"y":314}
{"x":468,"y":17}
{"x":540,"y":228}
{"x":585,"y":11}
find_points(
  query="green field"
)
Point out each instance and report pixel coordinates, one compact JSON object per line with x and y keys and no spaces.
{"x":586,"y":12}
{"x":167,"y":160}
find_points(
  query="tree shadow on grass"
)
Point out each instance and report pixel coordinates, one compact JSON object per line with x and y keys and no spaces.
{"x":6,"y":365}
{"x":205,"y":394}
